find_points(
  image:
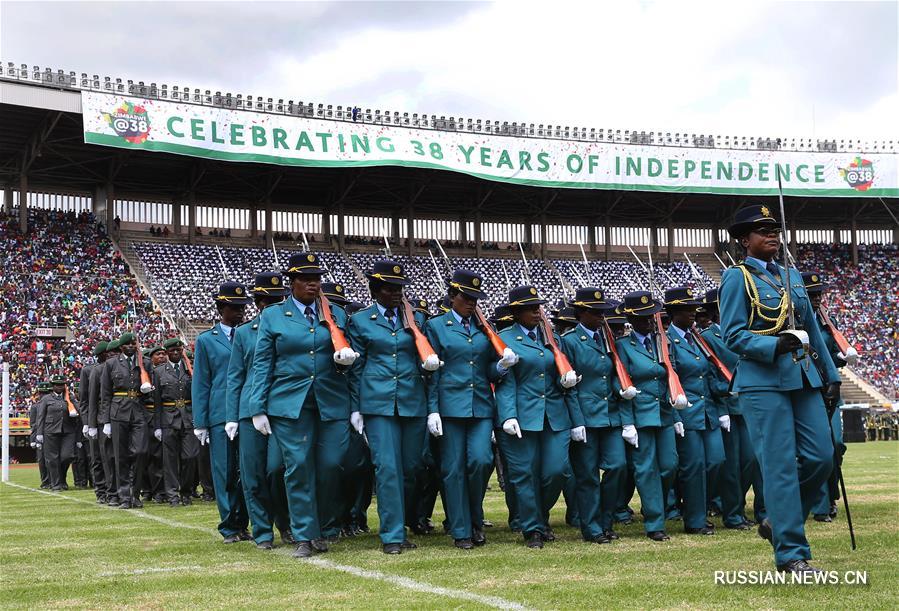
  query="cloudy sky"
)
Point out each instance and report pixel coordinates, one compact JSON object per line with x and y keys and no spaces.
{"x":800,"y":69}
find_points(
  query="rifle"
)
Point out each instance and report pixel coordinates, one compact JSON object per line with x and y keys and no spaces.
{"x":624,"y":378}
{"x":422,"y":345}
{"x":799,"y":334}
{"x":337,"y":336}
{"x":69,"y":405}
{"x":845,"y":347}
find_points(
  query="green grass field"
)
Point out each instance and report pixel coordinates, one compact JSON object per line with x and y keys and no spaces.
{"x":62,"y":550}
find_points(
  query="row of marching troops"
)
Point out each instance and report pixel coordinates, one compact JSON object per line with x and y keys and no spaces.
{"x":306,"y":409}
{"x":883,"y":426}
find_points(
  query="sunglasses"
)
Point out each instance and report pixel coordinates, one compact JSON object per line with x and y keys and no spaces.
{"x":767,"y":232}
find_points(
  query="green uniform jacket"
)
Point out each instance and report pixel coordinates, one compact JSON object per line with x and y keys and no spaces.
{"x":712,"y":335}
{"x":758,"y":367}
{"x":240,"y":372}
{"x":651,"y":406}
{"x":699,"y":382}
{"x":117,"y":377}
{"x":461,"y":388}
{"x":293,"y":359}
{"x":52,"y":414}
{"x":593,"y":400}
{"x":212,"y":351}
{"x":172,"y":385}
{"x":531,"y":391}
{"x":387,"y":378}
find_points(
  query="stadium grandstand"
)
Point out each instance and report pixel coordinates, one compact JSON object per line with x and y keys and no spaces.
{"x":99,"y":238}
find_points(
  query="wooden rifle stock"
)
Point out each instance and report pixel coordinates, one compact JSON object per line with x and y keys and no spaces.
{"x":838,"y":337}
{"x":675,"y":389}
{"x":710,"y":355}
{"x":144,"y":376}
{"x":498,"y":344}
{"x":337,"y":337}
{"x":69,"y":405}
{"x":562,"y":363}
{"x":624,"y":378}
{"x":187,"y":363}
{"x":421,"y":342}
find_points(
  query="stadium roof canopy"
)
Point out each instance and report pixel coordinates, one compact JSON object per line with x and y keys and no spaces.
{"x":42,"y":136}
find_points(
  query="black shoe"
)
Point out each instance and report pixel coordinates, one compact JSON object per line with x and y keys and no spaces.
{"x":751,"y":523}
{"x":159,"y":499}
{"x":534,"y":540}
{"x":823,"y":518}
{"x":245,"y":536}
{"x":56,"y":489}
{"x":287,"y":538}
{"x":626,"y":521}
{"x":147,"y":497}
{"x":478,"y":537}
{"x":125,"y":505}
{"x":765,"y":532}
{"x":464,"y":543}
{"x":422,"y":528}
{"x":207,"y":497}
{"x":101,"y":500}
{"x":113,"y":501}
{"x":740,"y":526}
{"x":235,"y":538}
{"x":137,"y":504}
{"x":611,"y":535}
{"x":65,"y":486}
{"x":304,"y":549}
{"x":658,"y":535}
{"x":406,"y":544}
{"x":320,"y":545}
{"x":799,"y":567}
{"x":705,"y":530}
{"x":393,"y":548}
{"x":186,"y":500}
{"x":714,"y":512}
{"x":175,"y":503}
{"x":264,"y":545}
{"x":601,"y":539}
{"x":549,"y":535}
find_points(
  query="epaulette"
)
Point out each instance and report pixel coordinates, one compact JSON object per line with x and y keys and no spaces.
{"x":567,"y":332}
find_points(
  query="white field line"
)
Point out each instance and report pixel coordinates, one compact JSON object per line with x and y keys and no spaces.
{"x":396,"y":580}
{"x":152,"y":570}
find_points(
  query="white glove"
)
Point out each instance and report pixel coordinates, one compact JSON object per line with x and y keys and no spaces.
{"x":511,"y":427}
{"x":570,"y":379}
{"x":492,"y":437}
{"x":92,"y":432}
{"x":357,"y":422}
{"x":202,"y":436}
{"x":74,"y":414}
{"x":79,"y":445}
{"x":509,"y":359}
{"x":432,"y":363}
{"x":107,"y":429}
{"x":146,"y":388}
{"x":345,"y":357}
{"x":724,"y":421}
{"x":629,"y":433}
{"x":850,"y":357}
{"x":84,"y":429}
{"x":435,"y":426}
{"x":231,"y":430}
{"x":680,"y":402}
{"x":628,"y":393}
{"x":157,"y":433}
{"x":679,"y":428}
{"x":578,"y":433}
{"x":40,"y":438}
{"x":32,"y":444}
{"x":260,"y":423}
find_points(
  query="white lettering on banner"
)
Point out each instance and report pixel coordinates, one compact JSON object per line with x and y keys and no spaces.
{"x":43,"y":332}
{"x":243,"y":135}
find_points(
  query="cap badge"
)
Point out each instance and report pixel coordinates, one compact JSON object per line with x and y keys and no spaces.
{"x":644,"y":299}
{"x":238,"y":290}
{"x":397,"y":269}
{"x":276,"y":281}
{"x":597,"y":294}
{"x":310,"y":258}
{"x":765,"y":212}
{"x":533,"y":291}
{"x":475,"y":282}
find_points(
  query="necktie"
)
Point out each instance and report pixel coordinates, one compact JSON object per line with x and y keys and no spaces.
{"x":389,"y":313}
{"x":772,"y":269}
{"x":689,"y":337}
{"x":466,"y":322}
{"x":597,"y":338}
{"x":231,"y":335}
{"x":648,"y":344}
{"x":532,"y":335}
{"x":310,"y":316}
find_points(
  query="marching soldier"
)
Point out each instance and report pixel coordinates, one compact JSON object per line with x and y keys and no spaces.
{"x":589,"y":353}
{"x":300,"y":397}
{"x":649,"y":423}
{"x":93,"y":444}
{"x":208,"y":391}
{"x":462,"y":407}
{"x":174,"y":424}
{"x":37,"y":438}
{"x":100,"y":427}
{"x":121,"y":397}
{"x":261,"y":464}
{"x":57,"y":427}
{"x":700,"y":448}
{"x":780,"y":389}
{"x":387,"y":390}
{"x":740,"y":469}
{"x":535,"y":418}
{"x":152,"y":481}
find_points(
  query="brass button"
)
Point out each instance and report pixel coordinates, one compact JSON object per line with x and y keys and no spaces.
{"x":311,"y":330}
{"x":542,"y":396}
{"x":541,"y":375}
{"x":471,"y":362}
{"x":394,"y":333}
{"x":604,"y":377}
{"x":700,"y":377}
{"x":312,"y":377}
{"x":657,"y":399}
{"x":312,"y":352}
{"x":541,"y":354}
{"x":702,"y":396}
{"x":394,"y":377}
{"x":471,"y":385}
{"x":469,"y":340}
{"x":394,"y":355}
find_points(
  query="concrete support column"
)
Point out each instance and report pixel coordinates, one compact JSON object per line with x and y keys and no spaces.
{"x":670,"y":239}
{"x":529,"y":231}
{"x":608,"y":238}
{"x":463,"y":230}
{"x":410,"y":232}
{"x":176,"y":216}
{"x":854,"y":240}
{"x":254,"y":221}
{"x":793,"y":238}
{"x":326,"y":224}
{"x":191,"y":217}
{"x":543,"y":236}
{"x":269,"y":224}
{"x":395,"y":227}
{"x":23,"y":203}
{"x":654,"y":241}
{"x":341,"y":227}
{"x":7,"y":200}
{"x":836,"y":235}
{"x":591,"y":234}
{"x":477,"y":233}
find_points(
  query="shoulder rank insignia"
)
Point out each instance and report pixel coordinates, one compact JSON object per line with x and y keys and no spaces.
{"x":583,"y":338}
{"x":214,"y":332}
{"x":519,"y":338}
{"x":449,"y":323}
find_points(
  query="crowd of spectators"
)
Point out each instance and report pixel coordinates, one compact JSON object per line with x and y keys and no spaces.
{"x":862,"y":301}
{"x":64,"y":273}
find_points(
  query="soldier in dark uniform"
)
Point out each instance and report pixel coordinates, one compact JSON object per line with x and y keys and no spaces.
{"x":93,"y":444}
{"x":174,"y":422}
{"x":100,"y":428}
{"x":56,"y":428}
{"x":121,"y":394}
{"x":37,"y":439}
{"x":151,"y":481}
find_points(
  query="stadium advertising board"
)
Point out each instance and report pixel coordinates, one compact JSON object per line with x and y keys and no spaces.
{"x":246,"y":136}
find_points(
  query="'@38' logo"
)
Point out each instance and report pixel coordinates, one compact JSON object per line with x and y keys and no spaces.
{"x":129,"y":121}
{"x":859,"y":174}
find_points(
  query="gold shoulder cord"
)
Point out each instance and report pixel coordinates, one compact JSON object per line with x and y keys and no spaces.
{"x":757,"y":308}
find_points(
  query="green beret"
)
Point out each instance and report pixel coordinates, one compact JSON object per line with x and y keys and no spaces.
{"x":172,"y":342}
{"x":57,"y":379}
{"x":100,"y":348}
{"x":154,"y":350}
{"x":126,"y":338}
{"x":113,"y":345}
